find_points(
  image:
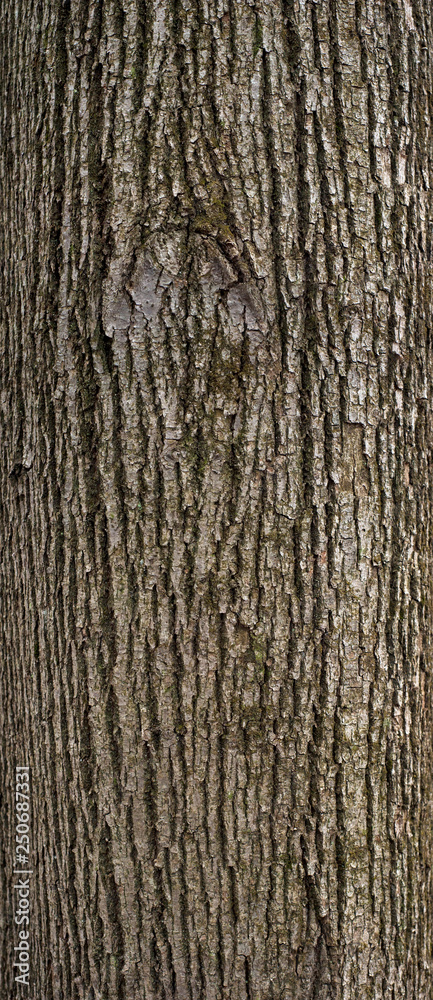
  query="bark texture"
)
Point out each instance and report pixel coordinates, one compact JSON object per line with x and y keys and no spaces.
{"x":216,"y":495}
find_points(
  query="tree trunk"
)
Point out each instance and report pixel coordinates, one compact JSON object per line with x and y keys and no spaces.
{"x":216,"y":496}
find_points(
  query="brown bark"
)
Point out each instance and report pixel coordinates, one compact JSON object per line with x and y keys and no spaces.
{"x":216,"y":495}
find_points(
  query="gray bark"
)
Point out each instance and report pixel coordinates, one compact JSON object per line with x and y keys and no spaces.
{"x":216,"y":495}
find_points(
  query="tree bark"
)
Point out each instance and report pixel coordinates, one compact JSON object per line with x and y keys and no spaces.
{"x":216,"y":496}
